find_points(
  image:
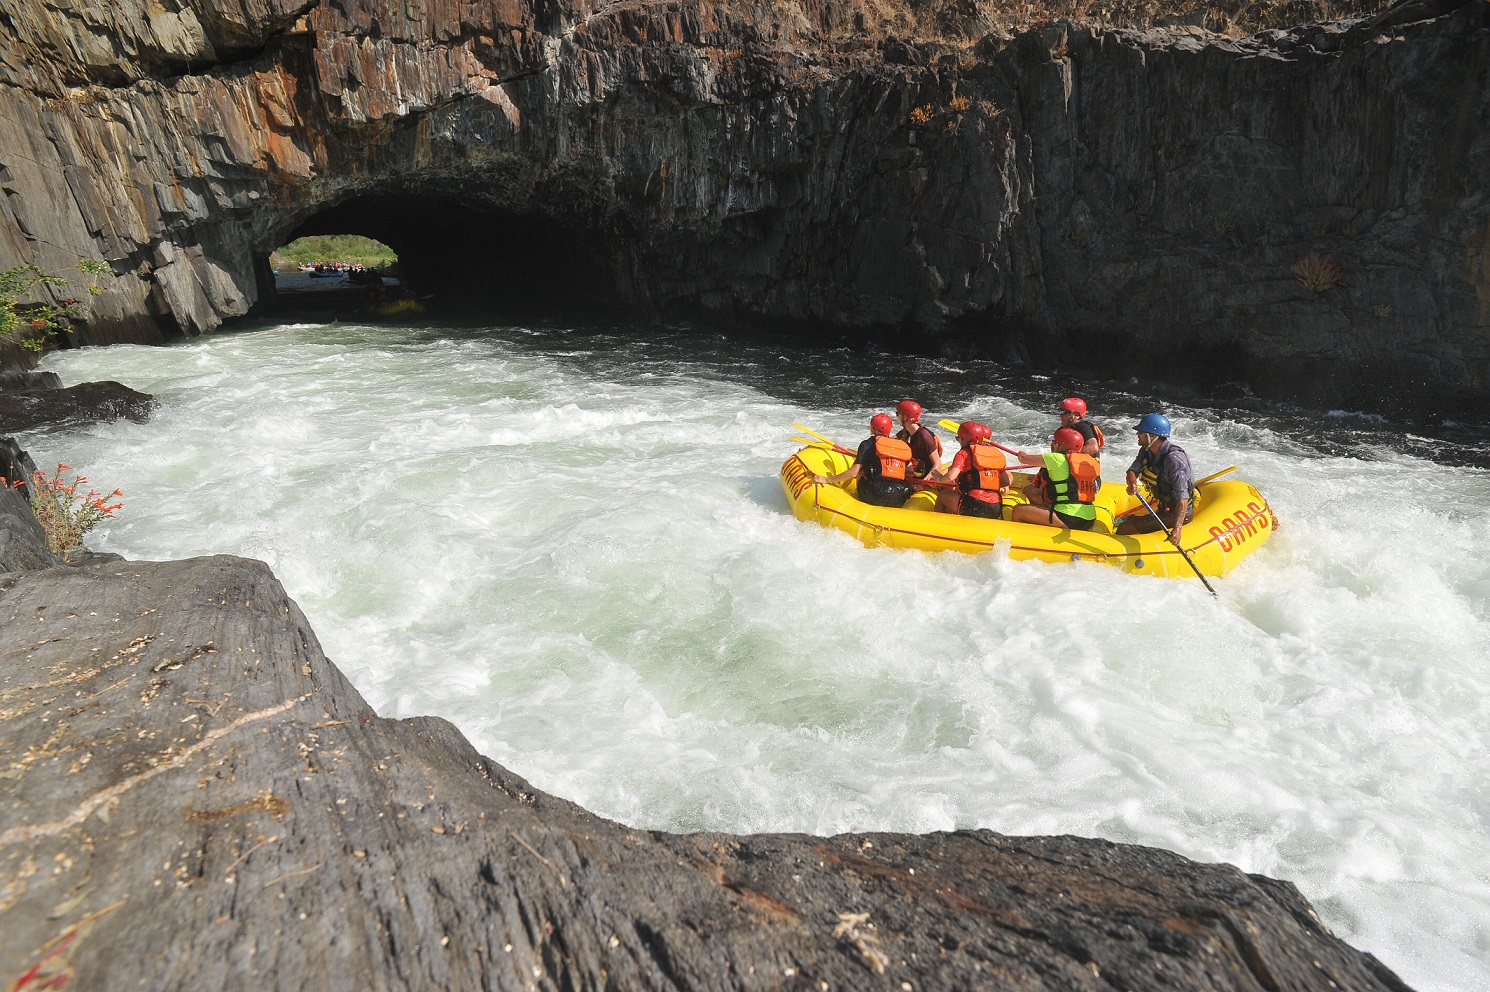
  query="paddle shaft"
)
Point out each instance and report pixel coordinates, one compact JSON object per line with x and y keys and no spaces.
{"x":1216,"y":475}
{"x":952,"y":425}
{"x":813,"y":433}
{"x":1170,"y":534}
{"x":1210,"y":478}
{"x":823,"y":444}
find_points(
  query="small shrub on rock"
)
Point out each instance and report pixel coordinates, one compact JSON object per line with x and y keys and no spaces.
{"x":32,"y":324}
{"x":1317,"y":272}
{"x":65,"y":513}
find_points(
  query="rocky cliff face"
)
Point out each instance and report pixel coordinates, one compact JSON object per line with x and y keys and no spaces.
{"x":1073,"y":194}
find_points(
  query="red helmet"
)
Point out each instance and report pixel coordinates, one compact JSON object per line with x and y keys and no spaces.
{"x":881,"y":423}
{"x":1075,"y":404}
{"x":1067,"y":439}
{"x":971,"y":432}
{"x":909,"y":409}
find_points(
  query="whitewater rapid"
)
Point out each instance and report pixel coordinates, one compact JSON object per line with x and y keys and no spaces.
{"x":572,"y":543}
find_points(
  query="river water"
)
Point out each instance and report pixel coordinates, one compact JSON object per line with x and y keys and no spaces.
{"x":571,"y":542}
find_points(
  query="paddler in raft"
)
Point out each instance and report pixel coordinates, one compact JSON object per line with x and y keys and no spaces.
{"x":1164,"y":470}
{"x":926,"y":447}
{"x":881,"y":465}
{"x":1072,"y":411}
{"x":1064,"y":492}
{"x":979,"y":472}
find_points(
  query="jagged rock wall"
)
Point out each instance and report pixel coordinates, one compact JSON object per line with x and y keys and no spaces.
{"x":1070,"y":193}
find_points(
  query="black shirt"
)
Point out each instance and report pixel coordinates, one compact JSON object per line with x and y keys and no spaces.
{"x":870,"y":459}
{"x":1174,"y":479}
{"x":923,"y":443}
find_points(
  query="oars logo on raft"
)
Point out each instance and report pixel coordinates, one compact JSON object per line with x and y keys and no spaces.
{"x":1232,"y":532}
{"x":797,"y":477}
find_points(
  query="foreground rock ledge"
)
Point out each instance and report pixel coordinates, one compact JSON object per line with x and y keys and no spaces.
{"x":195,"y":797}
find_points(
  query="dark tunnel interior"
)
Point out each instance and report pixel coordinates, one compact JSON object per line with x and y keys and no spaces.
{"x":475,"y":264}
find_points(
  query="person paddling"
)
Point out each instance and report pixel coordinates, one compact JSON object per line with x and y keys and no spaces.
{"x":881,"y":465}
{"x":1164,"y":470}
{"x":1064,"y":492}
{"x":926,"y":447}
{"x":979,"y":471}
{"x":1072,"y":412}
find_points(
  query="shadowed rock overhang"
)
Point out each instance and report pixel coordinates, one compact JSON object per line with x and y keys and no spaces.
{"x":1301,"y":210}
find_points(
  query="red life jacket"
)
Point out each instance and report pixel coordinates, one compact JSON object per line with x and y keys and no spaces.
{"x":985,"y":464}
{"x":894,"y":455}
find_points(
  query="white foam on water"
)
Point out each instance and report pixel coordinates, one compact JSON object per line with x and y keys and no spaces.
{"x":582,"y":557}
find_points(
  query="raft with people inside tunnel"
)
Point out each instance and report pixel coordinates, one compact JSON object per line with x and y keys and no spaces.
{"x":1231,"y":521}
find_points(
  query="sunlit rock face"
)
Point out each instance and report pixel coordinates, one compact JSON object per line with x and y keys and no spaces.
{"x":1304,"y":211}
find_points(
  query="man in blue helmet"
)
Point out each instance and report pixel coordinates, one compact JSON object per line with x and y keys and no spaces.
{"x":1164,"y":470}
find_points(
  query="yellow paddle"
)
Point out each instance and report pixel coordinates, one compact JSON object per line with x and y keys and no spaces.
{"x":952,"y":425}
{"x":812,"y":433}
{"x":822,"y":444}
{"x":1210,"y":478}
{"x":1216,"y":475}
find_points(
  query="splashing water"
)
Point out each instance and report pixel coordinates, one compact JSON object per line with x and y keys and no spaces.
{"x":572,"y":543}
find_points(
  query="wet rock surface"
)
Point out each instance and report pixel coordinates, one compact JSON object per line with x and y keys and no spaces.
{"x":23,"y":543}
{"x":41,"y":401}
{"x":1301,"y":211}
{"x":194,"y":797}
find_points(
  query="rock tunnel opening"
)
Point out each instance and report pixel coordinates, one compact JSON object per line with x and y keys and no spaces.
{"x":473,"y":263}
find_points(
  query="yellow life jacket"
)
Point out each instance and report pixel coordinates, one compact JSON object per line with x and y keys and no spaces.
{"x":1148,"y":477}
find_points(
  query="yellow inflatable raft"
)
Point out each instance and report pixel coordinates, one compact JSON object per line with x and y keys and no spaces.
{"x":1232,"y":520}
{"x":396,"y":308}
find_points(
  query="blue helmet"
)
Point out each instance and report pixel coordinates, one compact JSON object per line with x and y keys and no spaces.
{"x":1154,"y":423}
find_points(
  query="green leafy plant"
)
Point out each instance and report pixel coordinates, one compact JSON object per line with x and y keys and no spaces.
{"x":33,"y":323}
{"x":1223,"y":229}
{"x":1317,"y":272}
{"x":93,"y":268}
{"x":65,"y":513}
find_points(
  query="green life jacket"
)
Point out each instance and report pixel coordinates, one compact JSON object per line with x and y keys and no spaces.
{"x":1074,"y":482}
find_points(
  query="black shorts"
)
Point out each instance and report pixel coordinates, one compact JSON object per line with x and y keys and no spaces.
{"x":1074,"y":523}
{"x":884,"y":492}
{"x":970,"y":507}
{"x":1142,"y":523}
